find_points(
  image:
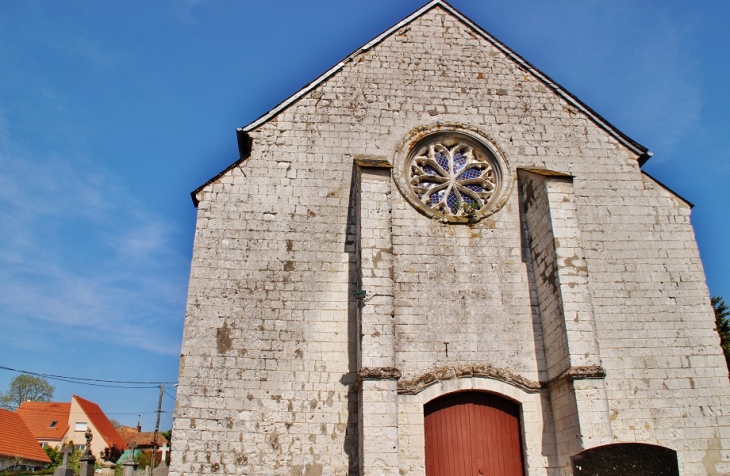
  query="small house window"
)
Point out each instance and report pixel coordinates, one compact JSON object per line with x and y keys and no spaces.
{"x":53,"y":424}
{"x":80,"y":426}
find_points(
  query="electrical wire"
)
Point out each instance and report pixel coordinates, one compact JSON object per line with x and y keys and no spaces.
{"x":56,"y":412}
{"x":95,"y":384}
{"x":91,"y":381}
{"x":136,"y":413}
{"x":102,"y":383}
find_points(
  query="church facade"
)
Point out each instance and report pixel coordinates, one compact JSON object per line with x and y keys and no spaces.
{"x":434,"y":260}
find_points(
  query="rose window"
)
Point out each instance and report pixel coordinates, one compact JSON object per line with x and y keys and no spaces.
{"x":452,"y":172}
{"x":453,"y":178}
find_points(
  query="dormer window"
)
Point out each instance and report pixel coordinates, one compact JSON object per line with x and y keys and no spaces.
{"x":53,"y":424}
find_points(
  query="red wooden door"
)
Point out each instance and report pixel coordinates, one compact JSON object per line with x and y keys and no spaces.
{"x":472,"y":434}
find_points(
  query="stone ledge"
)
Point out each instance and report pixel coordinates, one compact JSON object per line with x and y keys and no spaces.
{"x":372,"y":161}
{"x":544,"y":172}
{"x":376,"y":373}
{"x":577,"y":373}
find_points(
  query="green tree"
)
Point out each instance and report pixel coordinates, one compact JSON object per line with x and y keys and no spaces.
{"x":24,"y":388}
{"x":143,"y":459}
{"x":74,"y":458}
{"x":111,"y":453}
{"x":722,"y":322}
{"x":55,"y":455}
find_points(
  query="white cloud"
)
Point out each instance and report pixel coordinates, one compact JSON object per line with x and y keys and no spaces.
{"x":80,"y":256}
{"x":183,"y":10}
{"x":93,"y":51}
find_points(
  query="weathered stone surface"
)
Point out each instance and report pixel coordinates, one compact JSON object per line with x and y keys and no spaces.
{"x":275,"y":334}
{"x":417,"y":385}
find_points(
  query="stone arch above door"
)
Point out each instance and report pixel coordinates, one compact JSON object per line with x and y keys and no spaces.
{"x":536,"y":421}
{"x":489,"y":379}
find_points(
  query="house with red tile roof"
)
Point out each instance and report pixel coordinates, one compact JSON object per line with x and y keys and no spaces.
{"x":55,"y":423}
{"x":143,"y":440}
{"x":47,"y":421}
{"x":17,"y":443}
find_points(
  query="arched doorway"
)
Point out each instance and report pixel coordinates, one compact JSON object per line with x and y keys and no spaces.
{"x":472,"y":434}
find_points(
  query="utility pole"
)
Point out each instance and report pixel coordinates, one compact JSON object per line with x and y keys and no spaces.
{"x":157,"y":427}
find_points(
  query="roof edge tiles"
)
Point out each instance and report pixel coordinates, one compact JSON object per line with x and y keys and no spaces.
{"x":39,"y":416}
{"x":242,"y":132}
{"x":16,"y":439}
{"x":101,"y":422}
{"x":655,"y":180}
{"x":594,"y":116}
{"x":141,"y":438}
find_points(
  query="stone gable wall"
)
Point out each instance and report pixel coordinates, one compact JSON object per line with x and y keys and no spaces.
{"x":269,"y":353}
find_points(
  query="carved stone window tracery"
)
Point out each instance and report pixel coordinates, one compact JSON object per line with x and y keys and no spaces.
{"x":453,"y":179}
{"x":452,"y":174}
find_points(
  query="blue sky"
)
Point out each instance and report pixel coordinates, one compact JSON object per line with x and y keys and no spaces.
{"x":111,"y":113}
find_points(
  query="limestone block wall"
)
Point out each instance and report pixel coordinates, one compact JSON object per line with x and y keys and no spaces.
{"x":268,"y":361}
{"x":377,"y":397}
{"x":270,"y":344}
{"x":576,"y":377}
{"x":654,"y":322}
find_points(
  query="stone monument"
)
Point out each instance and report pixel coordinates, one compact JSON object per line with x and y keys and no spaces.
{"x":87,"y":459}
{"x":129,"y":467}
{"x":64,"y":469}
